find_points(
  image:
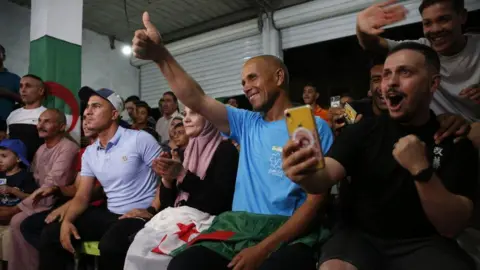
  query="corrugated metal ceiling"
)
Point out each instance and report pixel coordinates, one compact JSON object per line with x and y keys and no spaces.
{"x":176,"y":19}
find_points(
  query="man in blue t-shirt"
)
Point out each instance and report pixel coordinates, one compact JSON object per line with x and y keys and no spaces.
{"x":9,"y":87}
{"x":262,"y":190}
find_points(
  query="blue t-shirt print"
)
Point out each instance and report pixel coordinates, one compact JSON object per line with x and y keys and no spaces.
{"x":262,"y":186}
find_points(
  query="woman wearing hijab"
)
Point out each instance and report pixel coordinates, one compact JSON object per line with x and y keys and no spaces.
{"x":191,"y":194}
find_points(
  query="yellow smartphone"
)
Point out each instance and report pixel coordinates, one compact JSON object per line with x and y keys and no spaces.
{"x":302,"y":127}
{"x":350,"y":114}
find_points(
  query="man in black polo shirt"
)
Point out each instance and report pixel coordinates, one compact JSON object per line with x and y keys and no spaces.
{"x":409,"y":196}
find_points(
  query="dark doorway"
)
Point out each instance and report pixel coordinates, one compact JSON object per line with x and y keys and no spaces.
{"x":242,"y":101}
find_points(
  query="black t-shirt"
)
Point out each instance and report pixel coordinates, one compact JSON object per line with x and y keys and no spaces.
{"x":28,"y":134}
{"x":213,"y":194}
{"x":363,"y":107}
{"x":22,"y":180}
{"x":152,"y":132}
{"x":382,"y":197}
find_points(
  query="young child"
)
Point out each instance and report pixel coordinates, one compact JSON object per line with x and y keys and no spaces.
{"x":16,"y":182}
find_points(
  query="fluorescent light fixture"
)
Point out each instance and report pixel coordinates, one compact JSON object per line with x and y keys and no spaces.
{"x":127,"y":50}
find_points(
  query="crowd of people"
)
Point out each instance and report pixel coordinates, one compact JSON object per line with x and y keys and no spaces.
{"x":219,"y":187}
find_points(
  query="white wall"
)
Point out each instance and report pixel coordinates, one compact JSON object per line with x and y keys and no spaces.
{"x":101,"y":66}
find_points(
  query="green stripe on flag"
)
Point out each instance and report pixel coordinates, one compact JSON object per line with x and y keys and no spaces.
{"x":56,"y":60}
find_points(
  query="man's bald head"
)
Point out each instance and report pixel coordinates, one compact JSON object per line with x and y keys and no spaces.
{"x":264,"y":79}
{"x":59,"y":116}
{"x":272,"y":63}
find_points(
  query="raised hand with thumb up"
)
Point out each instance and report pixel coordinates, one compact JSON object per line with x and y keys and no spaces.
{"x":147,"y":43}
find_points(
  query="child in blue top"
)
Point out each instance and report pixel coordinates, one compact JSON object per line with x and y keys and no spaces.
{"x":16,"y":182}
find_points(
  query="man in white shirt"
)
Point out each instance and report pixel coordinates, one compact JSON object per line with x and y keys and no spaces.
{"x":22,"y":123}
{"x":170,"y":111}
{"x":442,"y":20}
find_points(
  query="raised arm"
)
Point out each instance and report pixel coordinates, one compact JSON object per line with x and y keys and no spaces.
{"x":148,"y":45}
{"x":370,"y":23}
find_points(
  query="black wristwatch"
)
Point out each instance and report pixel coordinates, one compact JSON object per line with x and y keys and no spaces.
{"x":424,"y":175}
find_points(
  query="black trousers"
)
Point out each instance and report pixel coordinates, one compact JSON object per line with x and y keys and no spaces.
{"x":298,"y":257}
{"x":367,"y":252}
{"x":32,"y":227}
{"x":95,"y":224}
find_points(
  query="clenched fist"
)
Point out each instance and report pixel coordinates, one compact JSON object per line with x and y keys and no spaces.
{"x":411,"y":154}
{"x":147,"y":43}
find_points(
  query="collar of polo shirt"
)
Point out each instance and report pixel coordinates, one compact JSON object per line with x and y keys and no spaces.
{"x":113,"y":141}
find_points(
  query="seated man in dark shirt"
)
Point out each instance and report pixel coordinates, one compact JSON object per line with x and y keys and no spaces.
{"x":409,"y":196}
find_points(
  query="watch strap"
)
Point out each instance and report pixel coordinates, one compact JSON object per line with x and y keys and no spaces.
{"x":425,"y":175}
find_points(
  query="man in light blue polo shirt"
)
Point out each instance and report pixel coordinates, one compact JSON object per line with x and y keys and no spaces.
{"x":121,"y":160}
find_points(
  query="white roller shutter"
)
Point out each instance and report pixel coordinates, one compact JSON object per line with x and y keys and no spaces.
{"x":214,"y":59}
{"x":328,"y":20}
{"x":217,"y":69}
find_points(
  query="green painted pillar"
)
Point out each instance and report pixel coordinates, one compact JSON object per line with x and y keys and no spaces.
{"x":55,"y":48}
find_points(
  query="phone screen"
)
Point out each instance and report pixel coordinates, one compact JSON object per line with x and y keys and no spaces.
{"x":350,"y":114}
{"x":335,"y":102}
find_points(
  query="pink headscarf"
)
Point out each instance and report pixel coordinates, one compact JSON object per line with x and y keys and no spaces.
{"x":199,"y":154}
{"x":200,"y":150}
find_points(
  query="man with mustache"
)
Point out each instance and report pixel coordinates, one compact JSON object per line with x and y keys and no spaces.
{"x":52,"y":167}
{"x":442,"y":20}
{"x":409,"y":196}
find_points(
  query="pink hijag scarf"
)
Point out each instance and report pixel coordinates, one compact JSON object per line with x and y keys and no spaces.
{"x":199,"y":154}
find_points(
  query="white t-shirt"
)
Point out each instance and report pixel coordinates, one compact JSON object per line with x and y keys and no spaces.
{"x":458,"y":72}
{"x":24,"y":116}
{"x":163,"y":125}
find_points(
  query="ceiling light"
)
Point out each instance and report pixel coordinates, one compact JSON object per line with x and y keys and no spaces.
{"x":127,"y":50}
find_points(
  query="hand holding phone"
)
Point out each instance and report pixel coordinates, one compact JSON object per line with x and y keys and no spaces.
{"x":350,"y":114}
{"x":302,"y":128}
{"x":335,"y":102}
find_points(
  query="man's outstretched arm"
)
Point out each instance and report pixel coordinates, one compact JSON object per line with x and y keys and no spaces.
{"x":148,"y":45}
